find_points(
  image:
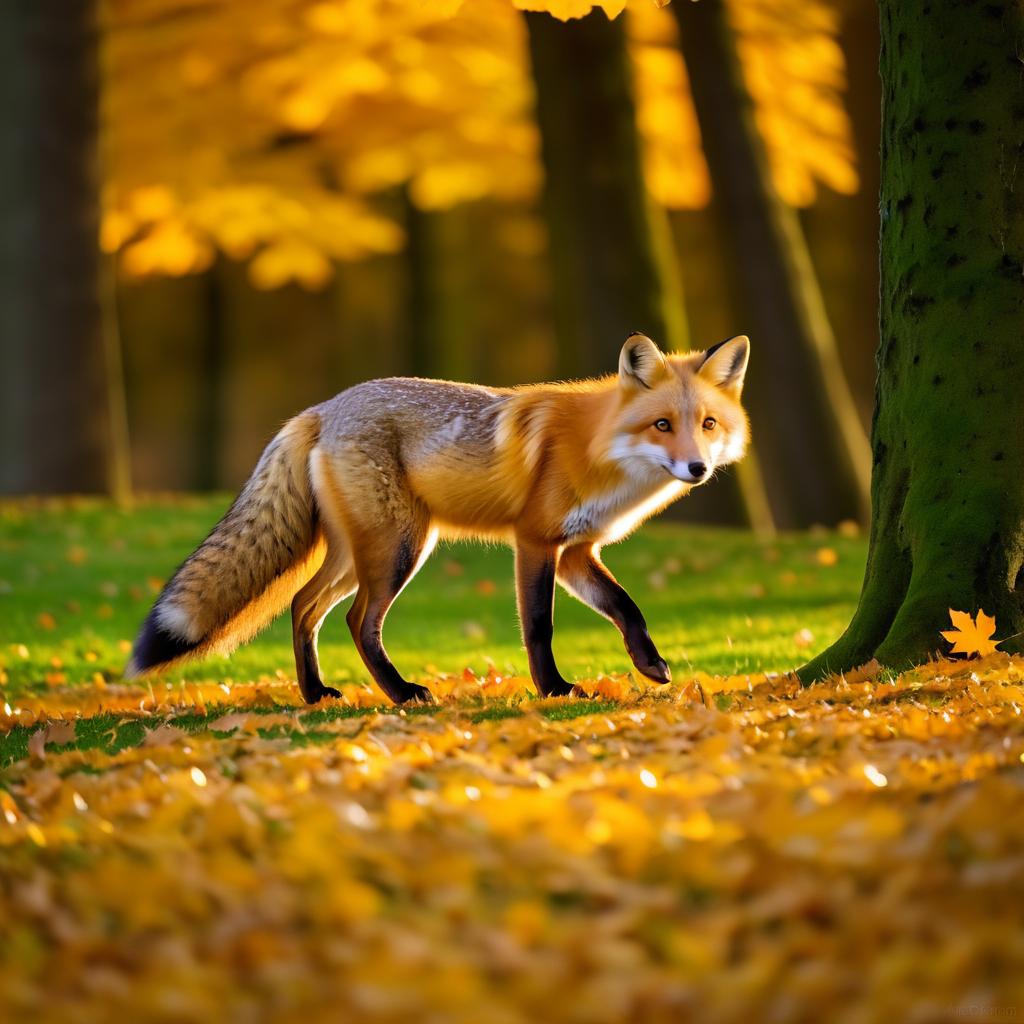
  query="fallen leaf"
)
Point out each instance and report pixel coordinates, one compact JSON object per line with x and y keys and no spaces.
{"x":474,"y":631}
{"x":971,"y":636}
{"x":826,"y":556}
{"x":231,"y":721}
{"x":163,"y":736}
{"x":53,"y":732}
{"x":803,"y":638}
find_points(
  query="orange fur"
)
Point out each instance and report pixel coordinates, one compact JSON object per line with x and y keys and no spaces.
{"x":355,"y":492}
{"x":553,"y":452}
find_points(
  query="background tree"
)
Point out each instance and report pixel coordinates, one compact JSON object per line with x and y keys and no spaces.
{"x":274,"y":138}
{"x":284,"y":140}
{"x":211,"y":378}
{"x":819,"y":449}
{"x":947,"y":526}
{"x":607,"y":277}
{"x":60,"y":387}
{"x":842,"y":229}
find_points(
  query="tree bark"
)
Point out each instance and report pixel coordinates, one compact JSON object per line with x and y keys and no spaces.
{"x":947,"y":528}
{"x":441,"y":341}
{"x":212,"y":365}
{"x":422,"y":299}
{"x":607,"y":275}
{"x":55,"y":407}
{"x":840,"y":229}
{"x":811,"y":443}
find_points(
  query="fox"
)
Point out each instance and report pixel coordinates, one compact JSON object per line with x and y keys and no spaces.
{"x":352,"y":495}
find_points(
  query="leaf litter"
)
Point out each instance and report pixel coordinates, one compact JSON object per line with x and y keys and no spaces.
{"x":725,"y":848}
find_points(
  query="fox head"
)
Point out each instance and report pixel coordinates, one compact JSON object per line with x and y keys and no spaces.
{"x":679,"y":415}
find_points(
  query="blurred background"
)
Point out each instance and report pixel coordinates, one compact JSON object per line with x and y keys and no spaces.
{"x":214,"y":214}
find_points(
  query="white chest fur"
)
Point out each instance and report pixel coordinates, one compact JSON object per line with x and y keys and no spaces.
{"x":612,"y":516}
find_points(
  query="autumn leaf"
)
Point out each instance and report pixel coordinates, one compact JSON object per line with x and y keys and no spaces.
{"x":164,"y":735}
{"x":230,"y":722}
{"x":603,"y":820}
{"x":826,"y":557}
{"x":53,"y":732}
{"x":971,"y":636}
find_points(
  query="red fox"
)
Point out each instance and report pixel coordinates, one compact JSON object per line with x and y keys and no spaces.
{"x":352,"y":495}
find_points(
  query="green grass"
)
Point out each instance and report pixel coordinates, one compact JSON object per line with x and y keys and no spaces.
{"x":111,"y":732}
{"x":76,"y":580}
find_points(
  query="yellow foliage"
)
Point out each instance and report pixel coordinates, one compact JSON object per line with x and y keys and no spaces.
{"x":796,"y":75}
{"x":269,"y":133}
{"x":566,"y":10}
{"x":274,"y":129}
{"x":778,"y":855}
{"x":674,"y":165}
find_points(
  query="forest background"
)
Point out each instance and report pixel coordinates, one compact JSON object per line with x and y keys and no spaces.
{"x":325,"y":192}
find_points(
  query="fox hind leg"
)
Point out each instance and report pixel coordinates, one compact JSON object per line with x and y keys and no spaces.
{"x":333,"y":582}
{"x":385,"y":562}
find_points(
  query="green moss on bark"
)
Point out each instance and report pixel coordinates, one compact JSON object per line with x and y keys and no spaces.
{"x":948,"y":437}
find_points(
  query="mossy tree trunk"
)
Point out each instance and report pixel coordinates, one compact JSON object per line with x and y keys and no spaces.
{"x":58,"y":425}
{"x":811,"y":442}
{"x":948,"y":440}
{"x":608,"y":277}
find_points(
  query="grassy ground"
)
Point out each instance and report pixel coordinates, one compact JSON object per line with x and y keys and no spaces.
{"x":728,"y":848}
{"x":76,"y":581}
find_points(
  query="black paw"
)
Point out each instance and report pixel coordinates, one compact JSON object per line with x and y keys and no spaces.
{"x":557,"y":688}
{"x":318,"y":694}
{"x":657,"y":670}
{"x":413,"y":694}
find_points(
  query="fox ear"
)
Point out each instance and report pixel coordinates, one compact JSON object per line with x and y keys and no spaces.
{"x":641,"y":364}
{"x":725,"y":364}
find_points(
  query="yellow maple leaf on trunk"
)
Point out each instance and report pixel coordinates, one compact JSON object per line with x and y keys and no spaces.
{"x":971,"y":636}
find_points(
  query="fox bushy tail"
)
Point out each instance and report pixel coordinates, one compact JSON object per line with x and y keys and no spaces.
{"x":255,"y":559}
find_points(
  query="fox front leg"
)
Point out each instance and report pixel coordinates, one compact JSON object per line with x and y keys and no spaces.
{"x":535,"y":596}
{"x":587,"y":578}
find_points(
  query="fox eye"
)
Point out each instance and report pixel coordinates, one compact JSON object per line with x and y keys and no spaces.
{"x":663,"y":425}
{"x":709,"y":423}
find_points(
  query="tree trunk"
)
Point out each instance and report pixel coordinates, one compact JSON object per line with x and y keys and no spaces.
{"x":422,"y":299}
{"x":119,"y":454}
{"x":55,"y":406}
{"x":441,"y":340}
{"x":947,"y":528}
{"x":212,"y":365}
{"x":840,"y":229}
{"x":812,"y":445}
{"x":607,"y":277}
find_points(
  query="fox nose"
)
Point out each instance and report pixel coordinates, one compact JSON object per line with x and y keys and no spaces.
{"x":697,"y":469}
